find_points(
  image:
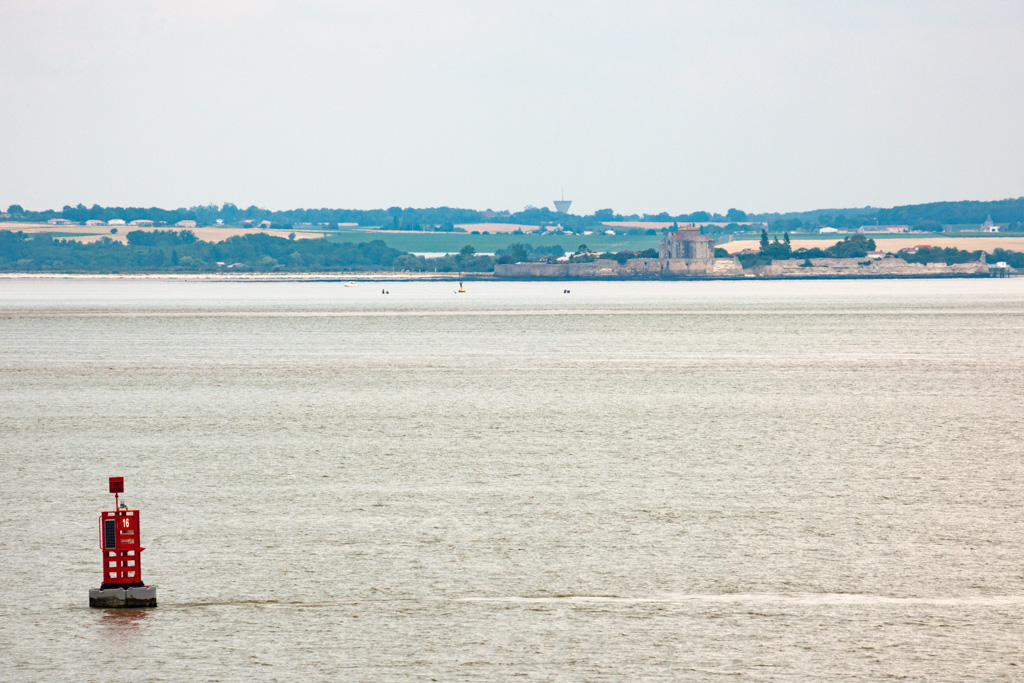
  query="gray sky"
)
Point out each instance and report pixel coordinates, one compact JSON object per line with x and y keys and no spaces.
{"x":638,"y":106}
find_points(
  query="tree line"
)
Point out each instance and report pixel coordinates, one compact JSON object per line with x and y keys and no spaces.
{"x":931,"y":216}
{"x":170,"y":251}
{"x":180,"y":251}
{"x":858,"y":246}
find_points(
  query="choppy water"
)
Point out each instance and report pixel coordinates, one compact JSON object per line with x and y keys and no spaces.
{"x":766,"y":480}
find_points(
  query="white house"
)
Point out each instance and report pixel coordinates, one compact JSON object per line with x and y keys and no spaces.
{"x":116,"y":221}
{"x":59,"y":221}
{"x":185,"y":224}
{"x":142,"y":223}
{"x":94,"y":221}
{"x":828,"y":231}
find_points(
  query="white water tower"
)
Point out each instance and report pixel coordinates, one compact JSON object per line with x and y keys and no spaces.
{"x":562,"y":205}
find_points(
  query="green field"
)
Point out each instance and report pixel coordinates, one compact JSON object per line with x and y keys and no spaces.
{"x":452,"y":242}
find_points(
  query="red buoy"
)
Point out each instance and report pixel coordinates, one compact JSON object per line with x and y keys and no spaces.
{"x":121,"y":546}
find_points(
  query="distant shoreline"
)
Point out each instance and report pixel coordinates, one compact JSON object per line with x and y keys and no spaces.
{"x":378,"y":276}
{"x":368,"y":276}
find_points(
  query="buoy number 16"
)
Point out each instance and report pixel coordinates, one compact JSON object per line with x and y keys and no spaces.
{"x":126,"y":523}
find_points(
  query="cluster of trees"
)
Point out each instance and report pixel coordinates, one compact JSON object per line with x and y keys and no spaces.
{"x":858,"y":246}
{"x":1009,"y":211}
{"x":951,"y":255}
{"x":623,"y":256}
{"x":170,"y":251}
{"x":82,"y":213}
{"x":467,"y":260}
{"x":927,"y":217}
{"x":160,"y":238}
{"x":521,"y":253}
{"x":852,"y":246}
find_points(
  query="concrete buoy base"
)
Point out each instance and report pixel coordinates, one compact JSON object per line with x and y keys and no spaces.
{"x":140,"y":596}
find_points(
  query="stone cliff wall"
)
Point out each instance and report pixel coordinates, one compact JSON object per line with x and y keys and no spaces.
{"x":594,"y":269}
{"x":667,"y":269}
{"x":864,"y":267}
{"x":648,"y":268}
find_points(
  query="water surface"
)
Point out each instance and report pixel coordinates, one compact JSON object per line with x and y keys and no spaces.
{"x":649,"y":480}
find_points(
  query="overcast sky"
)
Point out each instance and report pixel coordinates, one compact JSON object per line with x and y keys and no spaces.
{"x":635,"y":106}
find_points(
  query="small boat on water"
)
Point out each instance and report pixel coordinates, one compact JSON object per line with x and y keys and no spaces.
{"x":351,"y":283}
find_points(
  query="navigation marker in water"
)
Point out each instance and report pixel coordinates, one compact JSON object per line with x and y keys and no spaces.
{"x":121,"y":545}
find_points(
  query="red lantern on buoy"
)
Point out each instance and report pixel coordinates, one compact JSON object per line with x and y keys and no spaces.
{"x":121,"y":545}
